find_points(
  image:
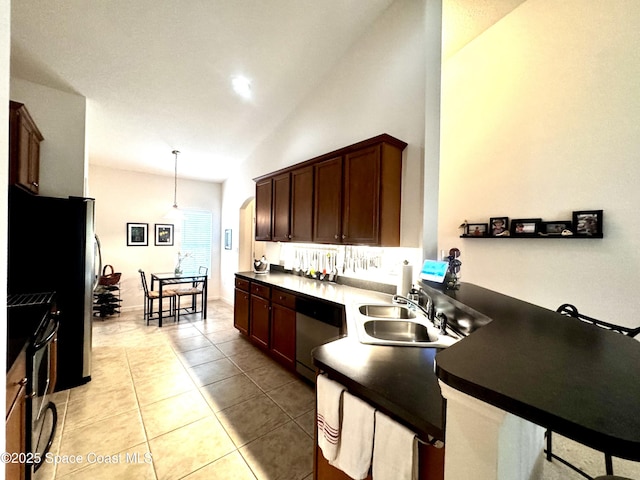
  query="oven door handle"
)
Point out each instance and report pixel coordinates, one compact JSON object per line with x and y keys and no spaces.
{"x":42,"y":342}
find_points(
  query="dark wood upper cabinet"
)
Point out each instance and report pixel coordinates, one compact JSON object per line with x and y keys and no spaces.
{"x":327,"y":218}
{"x":302,"y":204}
{"x":361,"y":195}
{"x":349,"y":196}
{"x":263,"y":209}
{"x":280,"y":211}
{"x":24,"y":149}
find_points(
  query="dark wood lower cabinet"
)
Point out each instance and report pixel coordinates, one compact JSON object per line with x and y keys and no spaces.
{"x":283,"y":335}
{"x":241,"y":311}
{"x":431,"y":465}
{"x":15,"y":420}
{"x":259,"y":322}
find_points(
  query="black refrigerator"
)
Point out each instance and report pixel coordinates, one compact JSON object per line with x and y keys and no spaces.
{"x":52,"y":247}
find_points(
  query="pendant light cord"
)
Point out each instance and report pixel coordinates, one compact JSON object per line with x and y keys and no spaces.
{"x":175,"y":180}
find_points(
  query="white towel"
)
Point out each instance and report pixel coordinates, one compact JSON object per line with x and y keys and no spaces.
{"x":356,"y":438}
{"x":329,"y":399}
{"x":395,"y":451}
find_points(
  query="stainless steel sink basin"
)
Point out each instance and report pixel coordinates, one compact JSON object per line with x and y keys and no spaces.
{"x":400,"y":331}
{"x":386,"y":311}
{"x":397,"y":325}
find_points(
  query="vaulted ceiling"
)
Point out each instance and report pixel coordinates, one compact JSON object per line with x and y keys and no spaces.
{"x":157,"y":74}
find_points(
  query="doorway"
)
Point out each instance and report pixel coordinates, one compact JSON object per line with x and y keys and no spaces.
{"x":246,"y":235}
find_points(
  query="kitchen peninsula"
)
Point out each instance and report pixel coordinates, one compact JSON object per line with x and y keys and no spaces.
{"x":527,"y":362}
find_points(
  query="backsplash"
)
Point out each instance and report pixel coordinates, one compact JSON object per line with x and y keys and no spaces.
{"x":369,"y":264}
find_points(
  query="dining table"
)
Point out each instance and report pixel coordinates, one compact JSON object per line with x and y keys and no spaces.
{"x":172,"y":278}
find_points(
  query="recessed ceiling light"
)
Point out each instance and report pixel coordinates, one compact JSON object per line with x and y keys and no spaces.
{"x":242,"y":86}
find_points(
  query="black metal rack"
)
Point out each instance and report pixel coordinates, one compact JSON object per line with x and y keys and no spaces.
{"x":106,"y":300}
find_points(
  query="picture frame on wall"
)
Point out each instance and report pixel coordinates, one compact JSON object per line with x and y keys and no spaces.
{"x":498,"y":226}
{"x":227,"y":239}
{"x":555,"y":227}
{"x":525,"y":227}
{"x":137,"y":234}
{"x":477,"y":229}
{"x":588,"y":223}
{"x":164,"y":234}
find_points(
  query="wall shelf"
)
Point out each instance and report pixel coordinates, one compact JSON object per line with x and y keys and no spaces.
{"x":545,"y":237}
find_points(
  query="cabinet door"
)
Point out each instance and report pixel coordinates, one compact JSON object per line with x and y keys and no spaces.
{"x":281,"y":208}
{"x":241,"y":311}
{"x":16,"y":431}
{"x":361,"y":210}
{"x":302,"y":205}
{"x":283,"y":335}
{"x":259,"y":323}
{"x":263,"y":210}
{"x":34,"y":164}
{"x":327,"y":219}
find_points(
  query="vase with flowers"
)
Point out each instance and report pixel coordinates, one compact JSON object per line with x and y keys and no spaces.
{"x":181,"y":257}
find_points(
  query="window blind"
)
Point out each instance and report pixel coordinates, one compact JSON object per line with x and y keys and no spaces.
{"x":196,"y":239}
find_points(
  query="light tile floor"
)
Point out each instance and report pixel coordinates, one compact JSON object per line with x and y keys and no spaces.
{"x":197,"y":401}
{"x":191,"y":401}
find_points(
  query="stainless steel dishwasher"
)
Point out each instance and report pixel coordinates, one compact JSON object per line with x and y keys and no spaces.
{"x":317,"y":322}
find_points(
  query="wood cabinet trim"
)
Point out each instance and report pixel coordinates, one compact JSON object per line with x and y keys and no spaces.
{"x":383,"y":138}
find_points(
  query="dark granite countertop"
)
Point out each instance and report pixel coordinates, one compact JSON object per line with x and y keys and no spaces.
{"x":400,"y":381}
{"x":553,"y":370}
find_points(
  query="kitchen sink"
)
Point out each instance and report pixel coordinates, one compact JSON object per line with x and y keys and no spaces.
{"x":400,"y":331}
{"x":398,"y":325}
{"x":386,"y":311}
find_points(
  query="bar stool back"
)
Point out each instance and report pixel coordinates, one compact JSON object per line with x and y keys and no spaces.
{"x":572,"y":311}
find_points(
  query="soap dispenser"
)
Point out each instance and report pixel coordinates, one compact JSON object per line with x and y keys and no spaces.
{"x":414,"y":294}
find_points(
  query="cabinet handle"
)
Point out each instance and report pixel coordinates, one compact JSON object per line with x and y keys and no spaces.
{"x":335,"y":236}
{"x":22,"y":382}
{"x":31,"y":395}
{"x":344,"y":236}
{"x":35,"y":184}
{"x":290,"y":237}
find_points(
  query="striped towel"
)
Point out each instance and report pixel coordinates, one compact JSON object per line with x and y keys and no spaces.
{"x":329,"y":402}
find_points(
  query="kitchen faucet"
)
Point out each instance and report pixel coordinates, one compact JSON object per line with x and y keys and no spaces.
{"x":429,"y":311}
{"x":438,"y":319}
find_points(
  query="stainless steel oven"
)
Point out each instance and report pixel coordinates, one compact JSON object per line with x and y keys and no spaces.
{"x":41,"y":354}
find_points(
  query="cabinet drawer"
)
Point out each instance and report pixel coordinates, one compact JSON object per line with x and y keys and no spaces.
{"x":261,"y":290}
{"x":16,"y":378}
{"x":242,"y":284}
{"x":283,"y":298}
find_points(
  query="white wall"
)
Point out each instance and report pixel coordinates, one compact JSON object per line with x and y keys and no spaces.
{"x":377,"y":87}
{"x":540,"y":118}
{"x":123,"y":196}
{"x":61,"y":118}
{"x":5,"y":44}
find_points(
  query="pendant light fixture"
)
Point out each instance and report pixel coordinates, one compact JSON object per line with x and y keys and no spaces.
{"x":175,"y":180}
{"x":174,"y":213}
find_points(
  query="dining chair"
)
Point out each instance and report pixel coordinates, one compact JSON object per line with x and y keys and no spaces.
{"x":151,"y":295}
{"x":197,"y":288}
{"x":571,"y":311}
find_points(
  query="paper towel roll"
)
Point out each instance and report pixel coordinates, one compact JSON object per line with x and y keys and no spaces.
{"x":405,"y":280}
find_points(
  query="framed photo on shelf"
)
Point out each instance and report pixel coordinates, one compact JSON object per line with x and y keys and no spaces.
{"x":499,"y":225}
{"x":137,"y":234}
{"x":555,"y":228}
{"x":477,"y":229}
{"x":164,"y":234}
{"x":525,"y":227}
{"x":588,"y":222}
{"x":227,"y":239}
